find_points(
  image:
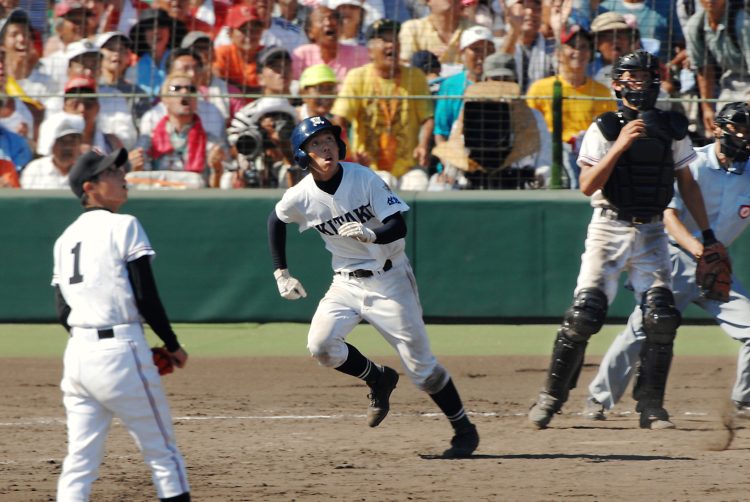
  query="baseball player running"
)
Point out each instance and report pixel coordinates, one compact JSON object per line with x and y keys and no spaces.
{"x":104,"y":284}
{"x":359,"y":219}
{"x":722,"y":171}
{"x":629,"y":161}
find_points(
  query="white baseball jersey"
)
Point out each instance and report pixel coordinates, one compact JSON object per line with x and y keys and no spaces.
{"x":388,"y":299}
{"x":90,"y":266}
{"x":727,"y":200}
{"x":108,"y":366}
{"x":363,"y":197}
{"x":614,"y":246}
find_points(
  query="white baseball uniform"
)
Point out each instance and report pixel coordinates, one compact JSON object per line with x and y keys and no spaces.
{"x":613,"y":245}
{"x":108,"y":366}
{"x":388,"y":299}
{"x":726,"y":196}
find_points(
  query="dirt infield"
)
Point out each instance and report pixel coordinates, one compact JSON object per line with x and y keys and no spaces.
{"x":286,"y":429}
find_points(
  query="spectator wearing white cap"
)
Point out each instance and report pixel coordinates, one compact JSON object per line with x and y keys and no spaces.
{"x":60,"y":145}
{"x":355,"y":16}
{"x":84,"y":60}
{"x":477,"y":42}
{"x":533,"y":53}
{"x":116,"y":51}
{"x":439,"y":32}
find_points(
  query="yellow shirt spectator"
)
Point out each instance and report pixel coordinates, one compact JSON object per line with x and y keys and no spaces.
{"x":577,"y":114}
{"x":385,"y":127}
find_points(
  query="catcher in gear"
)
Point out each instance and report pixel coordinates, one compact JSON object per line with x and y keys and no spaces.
{"x":630,"y":161}
{"x":359,"y":219}
{"x":722,"y":171}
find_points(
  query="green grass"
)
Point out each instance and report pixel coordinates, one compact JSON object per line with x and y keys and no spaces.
{"x":289,"y":339}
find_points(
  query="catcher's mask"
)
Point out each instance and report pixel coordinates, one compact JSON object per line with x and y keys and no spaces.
{"x":306,"y":130}
{"x":644,"y":96}
{"x":734,"y":121}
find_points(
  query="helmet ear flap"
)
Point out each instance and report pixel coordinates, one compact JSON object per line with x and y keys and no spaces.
{"x":302,"y":159}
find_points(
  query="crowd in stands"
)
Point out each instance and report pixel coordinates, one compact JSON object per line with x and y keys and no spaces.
{"x":205,"y":93}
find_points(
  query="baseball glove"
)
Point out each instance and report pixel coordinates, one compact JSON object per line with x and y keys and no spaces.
{"x":162,"y":360}
{"x":714,"y":272}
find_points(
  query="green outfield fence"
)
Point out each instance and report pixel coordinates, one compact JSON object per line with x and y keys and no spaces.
{"x":486,"y":256}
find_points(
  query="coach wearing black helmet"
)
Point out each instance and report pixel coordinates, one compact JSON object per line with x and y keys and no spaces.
{"x":629,"y":162}
{"x":359,"y":219}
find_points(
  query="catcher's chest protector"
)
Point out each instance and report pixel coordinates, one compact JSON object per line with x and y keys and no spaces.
{"x":642,"y":182}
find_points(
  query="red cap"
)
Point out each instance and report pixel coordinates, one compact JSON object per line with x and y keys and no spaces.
{"x":66,"y":6}
{"x":241,"y":14}
{"x":80,"y":83}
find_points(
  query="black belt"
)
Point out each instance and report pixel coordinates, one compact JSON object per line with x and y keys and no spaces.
{"x":629,"y":218}
{"x":362,"y":273}
{"x":105,"y":333}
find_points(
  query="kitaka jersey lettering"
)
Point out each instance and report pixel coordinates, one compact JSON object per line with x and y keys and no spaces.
{"x":362,"y":197}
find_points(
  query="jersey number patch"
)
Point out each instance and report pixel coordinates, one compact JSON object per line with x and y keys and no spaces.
{"x":76,"y":277}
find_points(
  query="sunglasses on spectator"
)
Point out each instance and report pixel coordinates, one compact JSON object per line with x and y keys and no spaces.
{"x":177,"y":88}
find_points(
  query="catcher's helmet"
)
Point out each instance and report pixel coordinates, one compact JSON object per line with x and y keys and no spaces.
{"x":309,"y":128}
{"x":645,"y":98}
{"x":734,"y":120}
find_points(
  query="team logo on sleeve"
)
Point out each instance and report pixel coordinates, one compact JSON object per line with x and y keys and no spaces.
{"x":744,"y":211}
{"x":392,"y":199}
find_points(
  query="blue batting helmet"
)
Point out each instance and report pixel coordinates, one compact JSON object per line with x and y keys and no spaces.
{"x":309,"y":128}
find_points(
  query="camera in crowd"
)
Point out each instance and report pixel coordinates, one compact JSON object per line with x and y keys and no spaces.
{"x":261,"y":134}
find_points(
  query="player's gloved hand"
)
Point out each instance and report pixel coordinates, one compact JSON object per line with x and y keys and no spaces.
{"x":356,"y":230}
{"x":289,"y":287}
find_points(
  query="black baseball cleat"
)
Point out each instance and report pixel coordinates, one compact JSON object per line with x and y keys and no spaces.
{"x":542,"y":410}
{"x":463,"y":444}
{"x":380,"y":395}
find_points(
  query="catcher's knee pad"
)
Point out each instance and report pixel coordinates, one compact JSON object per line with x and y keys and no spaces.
{"x":660,"y":316}
{"x":328,"y":353}
{"x":435,"y":381}
{"x":586,"y":316}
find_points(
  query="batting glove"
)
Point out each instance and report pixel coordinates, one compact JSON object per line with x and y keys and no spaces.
{"x":358,"y":231}
{"x":289,"y":287}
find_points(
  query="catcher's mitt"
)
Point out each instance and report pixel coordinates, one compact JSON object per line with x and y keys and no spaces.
{"x":163,"y":360}
{"x":713,"y":275}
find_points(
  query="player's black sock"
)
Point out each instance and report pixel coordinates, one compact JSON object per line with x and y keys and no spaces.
{"x":359,"y":366}
{"x":449,"y":402}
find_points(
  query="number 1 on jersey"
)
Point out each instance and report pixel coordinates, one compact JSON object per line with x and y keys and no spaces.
{"x":76,"y":277}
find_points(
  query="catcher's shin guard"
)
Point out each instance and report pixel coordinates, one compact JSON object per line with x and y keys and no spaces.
{"x":651,"y":381}
{"x":567,"y":359}
{"x":660,"y":322}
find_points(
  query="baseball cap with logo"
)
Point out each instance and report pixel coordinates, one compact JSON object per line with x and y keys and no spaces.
{"x":569,"y":35}
{"x":475,"y":34}
{"x":241,"y":14}
{"x":80,"y":85}
{"x":91,"y":164}
{"x":382,"y":27}
{"x":500,"y":64}
{"x":317,"y":74}
{"x":79,"y":48}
